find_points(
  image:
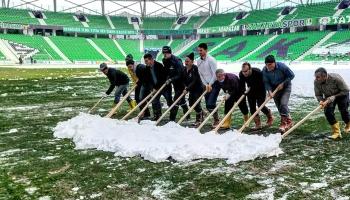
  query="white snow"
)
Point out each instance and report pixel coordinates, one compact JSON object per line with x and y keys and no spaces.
{"x":13,"y":130}
{"x":316,"y":186}
{"x":31,"y":190}
{"x":49,"y":157}
{"x":45,"y":198}
{"x":158,"y":143}
{"x":95,"y":195}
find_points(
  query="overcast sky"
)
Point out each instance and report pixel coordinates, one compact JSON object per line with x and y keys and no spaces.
{"x":154,"y":9}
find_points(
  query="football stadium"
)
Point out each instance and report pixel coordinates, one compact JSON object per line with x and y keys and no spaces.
{"x":174,"y":99}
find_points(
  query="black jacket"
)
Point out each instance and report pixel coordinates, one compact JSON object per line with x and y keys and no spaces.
{"x":231,"y":85}
{"x":160,"y":73}
{"x":192,"y":79}
{"x":255,"y":82}
{"x":174,"y":68}
{"x":116,"y":78}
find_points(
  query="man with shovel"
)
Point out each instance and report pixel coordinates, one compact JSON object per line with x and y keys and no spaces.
{"x":331,"y":90}
{"x":278,"y":76}
{"x":118,"y":80}
{"x":230,"y":84}
{"x":253,"y":77}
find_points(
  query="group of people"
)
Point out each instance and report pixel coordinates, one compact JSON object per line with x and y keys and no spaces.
{"x":273,"y":81}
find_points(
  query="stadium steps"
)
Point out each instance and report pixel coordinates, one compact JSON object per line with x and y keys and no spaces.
{"x":99,"y":50}
{"x":280,"y":18}
{"x":86,"y":25}
{"x":189,"y":43}
{"x":110,"y":22}
{"x":5,"y":49}
{"x":119,"y":47}
{"x":203,"y":21}
{"x":317,"y":45}
{"x":56,"y":49}
{"x":338,"y":12}
{"x":219,"y":45}
{"x":42,"y":21}
{"x":142,"y":46}
{"x":258,"y":48}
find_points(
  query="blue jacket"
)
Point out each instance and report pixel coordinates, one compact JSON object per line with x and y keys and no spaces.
{"x":281,"y":74}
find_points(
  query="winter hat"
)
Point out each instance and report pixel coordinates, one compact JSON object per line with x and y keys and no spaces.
{"x":270,"y":59}
{"x":191,"y":56}
{"x":129,"y":62}
{"x":129,"y":57}
{"x":103,"y":66}
{"x":166,"y":49}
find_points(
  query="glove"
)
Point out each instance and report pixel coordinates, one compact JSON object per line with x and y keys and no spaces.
{"x":331,"y":99}
{"x":167,"y":82}
{"x":227,"y":96}
{"x":104,"y":95}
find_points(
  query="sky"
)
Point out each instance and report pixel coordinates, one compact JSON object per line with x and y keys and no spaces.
{"x":133,"y":8}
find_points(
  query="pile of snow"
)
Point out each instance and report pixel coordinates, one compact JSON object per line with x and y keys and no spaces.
{"x":158,"y":143}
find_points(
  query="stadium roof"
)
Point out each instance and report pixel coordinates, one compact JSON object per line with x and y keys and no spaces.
{"x":150,"y":7}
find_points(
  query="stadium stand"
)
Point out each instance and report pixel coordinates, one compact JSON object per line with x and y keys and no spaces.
{"x":36,"y":42}
{"x":77,"y":49}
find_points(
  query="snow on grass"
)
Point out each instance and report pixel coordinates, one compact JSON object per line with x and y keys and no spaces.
{"x":161,"y":189}
{"x":280,"y":164}
{"x":45,"y":198}
{"x":316,"y":186}
{"x":9,"y":152}
{"x":93,"y":196}
{"x":267,"y":194}
{"x":13,"y":130}
{"x":31,"y":190}
{"x":49,"y":157}
{"x":19,"y":108}
{"x":158,"y":143}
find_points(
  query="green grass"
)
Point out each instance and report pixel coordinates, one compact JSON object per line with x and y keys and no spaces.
{"x":34,"y":105}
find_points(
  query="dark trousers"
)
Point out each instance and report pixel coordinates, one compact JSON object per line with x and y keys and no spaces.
{"x":281,"y":100}
{"x":343,"y":105}
{"x":211,"y":97}
{"x":192,"y":98}
{"x":253,"y":101}
{"x":157,"y":106}
{"x":144,"y":92}
{"x":231,"y":101}
{"x":137,"y":93}
{"x":179,"y":88}
{"x":121,"y":90}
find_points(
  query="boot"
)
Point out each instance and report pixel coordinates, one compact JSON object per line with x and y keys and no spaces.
{"x":270,"y":119}
{"x":156,"y":115}
{"x":347,"y":128}
{"x":226,"y":124}
{"x":245,"y":118}
{"x":289,"y":123}
{"x":282,"y":127}
{"x":132,"y":104}
{"x":216,"y":120}
{"x":199,"y":119}
{"x":173,"y":113}
{"x":145,"y":115}
{"x":335,"y":131}
{"x":257,"y":122}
